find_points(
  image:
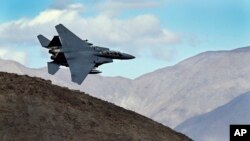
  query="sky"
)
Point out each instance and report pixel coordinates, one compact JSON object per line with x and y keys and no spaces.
{"x":159,"y":33}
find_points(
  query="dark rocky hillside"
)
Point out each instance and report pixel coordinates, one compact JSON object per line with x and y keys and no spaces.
{"x":32,"y":109}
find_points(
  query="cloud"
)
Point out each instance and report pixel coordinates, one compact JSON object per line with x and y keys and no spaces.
{"x":60,"y":4}
{"x":12,"y":55}
{"x":114,"y":7}
{"x":139,"y":33}
{"x":131,"y":4}
{"x":25,"y":30}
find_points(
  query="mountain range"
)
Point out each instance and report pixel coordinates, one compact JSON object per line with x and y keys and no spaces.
{"x":214,"y":125}
{"x":169,"y":95}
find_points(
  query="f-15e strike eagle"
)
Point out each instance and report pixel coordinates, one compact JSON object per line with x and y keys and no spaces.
{"x":79,"y":55}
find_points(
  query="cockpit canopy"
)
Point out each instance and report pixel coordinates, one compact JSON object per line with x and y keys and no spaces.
{"x":88,"y":43}
{"x":100,"y":48}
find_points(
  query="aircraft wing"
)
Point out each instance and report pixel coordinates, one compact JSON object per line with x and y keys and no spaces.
{"x":70,"y":41}
{"x":77,"y":54}
{"x":80,"y":65}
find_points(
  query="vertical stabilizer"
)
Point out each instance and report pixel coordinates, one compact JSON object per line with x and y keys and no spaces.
{"x":43,"y":41}
{"x":55,"y":42}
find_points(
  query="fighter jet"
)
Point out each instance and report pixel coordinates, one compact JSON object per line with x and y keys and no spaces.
{"x":81,"y":56}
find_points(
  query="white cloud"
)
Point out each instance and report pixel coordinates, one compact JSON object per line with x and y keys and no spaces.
{"x":12,"y":55}
{"x":114,"y":7}
{"x":139,"y":33}
{"x":60,"y":4}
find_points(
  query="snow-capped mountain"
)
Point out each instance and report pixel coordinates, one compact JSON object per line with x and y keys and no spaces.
{"x":169,"y":95}
{"x":214,"y":126}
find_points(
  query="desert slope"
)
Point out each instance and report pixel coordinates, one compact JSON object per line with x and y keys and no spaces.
{"x":33,"y":109}
{"x":214,"y":126}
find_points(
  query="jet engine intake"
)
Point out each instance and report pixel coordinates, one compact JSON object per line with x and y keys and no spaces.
{"x":54,"y":51}
{"x":53,"y":57}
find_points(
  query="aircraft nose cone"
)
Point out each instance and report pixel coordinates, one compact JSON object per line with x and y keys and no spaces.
{"x":130,"y":56}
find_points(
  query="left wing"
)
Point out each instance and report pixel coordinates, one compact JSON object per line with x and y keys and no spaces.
{"x":80,"y":64}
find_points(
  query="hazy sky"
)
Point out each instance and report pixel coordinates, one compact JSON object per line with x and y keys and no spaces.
{"x":159,"y":33}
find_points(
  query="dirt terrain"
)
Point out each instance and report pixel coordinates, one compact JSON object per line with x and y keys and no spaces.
{"x":32,"y":109}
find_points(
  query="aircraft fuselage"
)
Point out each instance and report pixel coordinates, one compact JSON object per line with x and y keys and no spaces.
{"x":101,"y":56}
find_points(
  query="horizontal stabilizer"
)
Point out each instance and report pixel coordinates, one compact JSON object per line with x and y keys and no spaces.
{"x":53,"y":68}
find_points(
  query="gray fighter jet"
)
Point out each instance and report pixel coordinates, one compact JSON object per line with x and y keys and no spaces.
{"x":79,"y":55}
